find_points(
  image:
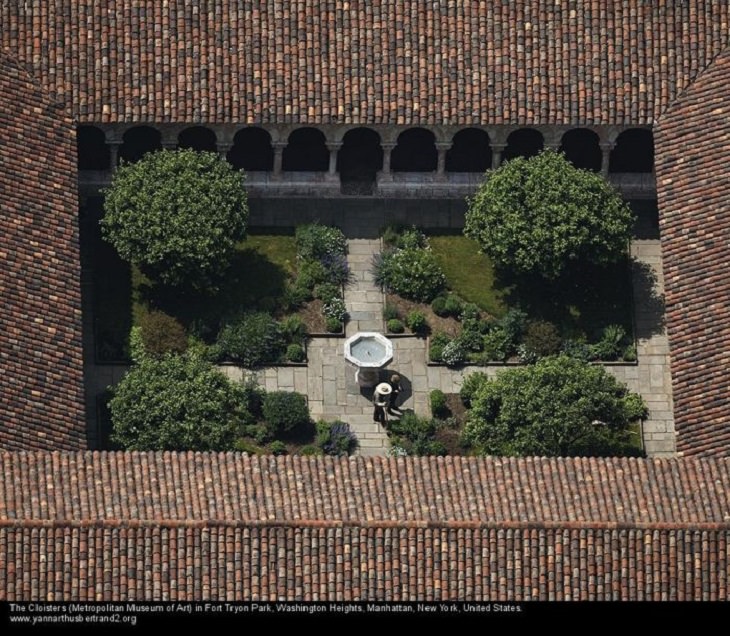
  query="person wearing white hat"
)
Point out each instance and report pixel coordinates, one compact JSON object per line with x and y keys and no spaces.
{"x":380,"y":401}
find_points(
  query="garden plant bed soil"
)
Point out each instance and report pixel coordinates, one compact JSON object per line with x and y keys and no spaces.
{"x":436,"y":323}
{"x":449,"y":434}
{"x":311,"y":314}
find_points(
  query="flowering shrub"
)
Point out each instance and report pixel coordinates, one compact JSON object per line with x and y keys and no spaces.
{"x":411,"y":272}
{"x":336,"y":309}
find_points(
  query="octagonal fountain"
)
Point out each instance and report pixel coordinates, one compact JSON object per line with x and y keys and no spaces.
{"x":369,"y":352}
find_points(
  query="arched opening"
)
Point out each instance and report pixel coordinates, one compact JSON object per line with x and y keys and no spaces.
{"x":306,"y":152}
{"x":138,"y":141}
{"x":582,"y":149}
{"x":415,"y":152}
{"x":525,"y":142}
{"x":93,"y":153}
{"x":252,"y":150}
{"x":197,"y":138}
{"x":634,"y":151}
{"x":358,"y":161}
{"x":469,"y":152}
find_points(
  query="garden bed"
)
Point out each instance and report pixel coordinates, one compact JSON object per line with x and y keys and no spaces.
{"x":488,"y":317}
{"x":262,"y":278}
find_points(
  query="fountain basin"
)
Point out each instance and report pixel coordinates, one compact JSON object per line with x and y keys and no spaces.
{"x":368,"y":350}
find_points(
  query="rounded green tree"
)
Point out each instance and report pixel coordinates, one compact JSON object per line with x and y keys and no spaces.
{"x":559,"y":406}
{"x":177,"y":402}
{"x":177,"y":215}
{"x":538,"y":215}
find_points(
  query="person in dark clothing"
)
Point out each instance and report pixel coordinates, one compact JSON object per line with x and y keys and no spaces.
{"x":396,"y":388}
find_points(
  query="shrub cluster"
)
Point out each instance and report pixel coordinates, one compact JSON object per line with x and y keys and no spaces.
{"x":439,"y":407}
{"x":254,"y":340}
{"x":415,"y":435}
{"x":335,"y":438}
{"x":323,"y":272}
{"x":409,"y":268}
{"x":284,"y":412}
{"x":177,"y":402}
{"x":559,"y":406}
{"x":177,"y":215}
{"x":161,"y":333}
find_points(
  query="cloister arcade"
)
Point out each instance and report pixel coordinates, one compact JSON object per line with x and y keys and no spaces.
{"x":386,"y":160}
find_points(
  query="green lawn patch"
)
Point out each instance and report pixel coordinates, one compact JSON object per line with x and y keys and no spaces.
{"x":469,"y":273}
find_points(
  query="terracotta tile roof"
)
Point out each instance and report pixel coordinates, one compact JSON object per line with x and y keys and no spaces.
{"x":116,"y":526}
{"x":382,"y":61}
{"x":693,"y":158}
{"x":388,"y":563}
{"x":234,"y":487}
{"x":41,"y":390}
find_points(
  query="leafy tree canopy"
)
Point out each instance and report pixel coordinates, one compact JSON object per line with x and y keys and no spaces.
{"x":177,"y":402}
{"x":538,"y":215}
{"x":177,"y":215}
{"x":559,"y":406}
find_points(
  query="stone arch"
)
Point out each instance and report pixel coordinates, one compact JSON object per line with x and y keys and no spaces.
{"x":524,"y":142}
{"x":91,"y":147}
{"x":138,"y":141}
{"x":415,"y":151}
{"x":582,"y":148}
{"x":633,"y":152}
{"x":470,"y":151}
{"x":197,"y":138}
{"x":359,"y":160}
{"x":306,"y":151}
{"x":252,"y":150}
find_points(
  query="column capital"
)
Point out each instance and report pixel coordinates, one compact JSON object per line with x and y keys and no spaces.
{"x":607,"y":145}
{"x":498,"y":147}
{"x":279,"y":145}
{"x":443,"y":145}
{"x":333,"y":145}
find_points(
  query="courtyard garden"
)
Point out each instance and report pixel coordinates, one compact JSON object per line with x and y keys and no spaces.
{"x":540,"y":278}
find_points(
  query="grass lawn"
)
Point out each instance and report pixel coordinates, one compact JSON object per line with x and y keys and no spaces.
{"x":469,"y":273}
{"x":581,"y":303}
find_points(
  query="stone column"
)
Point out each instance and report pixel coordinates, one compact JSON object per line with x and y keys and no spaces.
{"x":606,"y":148}
{"x":497,"y":150}
{"x":442,"y":148}
{"x":114,"y":153}
{"x":334,"y":148}
{"x":223,"y":148}
{"x":385,"y":173}
{"x":168,"y":138}
{"x":278,"y":147}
